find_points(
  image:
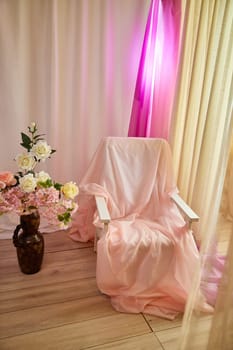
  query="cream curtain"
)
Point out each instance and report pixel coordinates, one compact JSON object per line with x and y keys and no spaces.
{"x":201,"y":134}
{"x":202,"y":121}
{"x":71,"y":66}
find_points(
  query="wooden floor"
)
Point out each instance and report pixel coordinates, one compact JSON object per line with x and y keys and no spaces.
{"x":61,"y":308}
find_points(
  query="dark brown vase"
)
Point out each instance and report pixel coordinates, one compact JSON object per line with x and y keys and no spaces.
{"x":29,"y":243}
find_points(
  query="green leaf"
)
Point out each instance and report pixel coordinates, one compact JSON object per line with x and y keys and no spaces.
{"x":65,"y":217}
{"x":20,"y":173}
{"x":60,"y":217}
{"x":46,"y":184}
{"x":38,"y":136}
{"x":36,"y":140}
{"x":25,"y":138}
{"x":26,"y":141}
{"x":49,"y":183}
{"x":57,"y":186}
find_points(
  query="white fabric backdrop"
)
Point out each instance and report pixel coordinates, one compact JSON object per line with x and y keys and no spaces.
{"x":71,"y":66}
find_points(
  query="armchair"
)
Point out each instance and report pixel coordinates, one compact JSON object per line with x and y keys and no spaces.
{"x":146,"y":253}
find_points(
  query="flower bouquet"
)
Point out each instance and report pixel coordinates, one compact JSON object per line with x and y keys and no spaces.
{"x":28,"y":190}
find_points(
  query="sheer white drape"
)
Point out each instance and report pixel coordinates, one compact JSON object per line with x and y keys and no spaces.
{"x":70,"y":65}
{"x":221,"y":327}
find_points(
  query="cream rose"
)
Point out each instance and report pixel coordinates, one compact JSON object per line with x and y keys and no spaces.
{"x":41,"y":150}
{"x":32,"y":127}
{"x":25,"y":161}
{"x":28,"y":183}
{"x":42,"y":176}
{"x":70,"y":190}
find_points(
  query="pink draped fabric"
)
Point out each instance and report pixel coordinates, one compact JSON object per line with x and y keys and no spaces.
{"x":212,"y":275}
{"x":146,"y":261}
{"x":155,"y":86}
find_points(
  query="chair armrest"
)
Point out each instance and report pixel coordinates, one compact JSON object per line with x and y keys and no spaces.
{"x":191,"y":215}
{"x":102,"y":209}
{"x":104,"y":218}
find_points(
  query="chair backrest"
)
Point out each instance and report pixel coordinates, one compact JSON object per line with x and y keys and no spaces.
{"x":135,"y":172}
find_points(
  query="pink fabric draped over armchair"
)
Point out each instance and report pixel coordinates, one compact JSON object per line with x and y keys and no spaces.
{"x":147,"y":258}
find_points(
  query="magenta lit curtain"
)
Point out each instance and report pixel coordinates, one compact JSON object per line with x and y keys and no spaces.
{"x":156,"y":80}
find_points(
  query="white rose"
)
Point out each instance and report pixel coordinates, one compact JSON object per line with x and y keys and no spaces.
{"x":25,"y":161}
{"x":42,"y":176}
{"x":70,"y":190}
{"x":32,"y":127}
{"x":28,"y":183}
{"x":41,"y":150}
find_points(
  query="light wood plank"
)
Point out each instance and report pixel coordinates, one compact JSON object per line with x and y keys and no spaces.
{"x":52,"y":274}
{"x":7,"y":249}
{"x":46,"y":294}
{"x":142,"y":342}
{"x":80,"y":335}
{"x":159,"y":324}
{"x":169,"y":338}
{"x":54,"y":315}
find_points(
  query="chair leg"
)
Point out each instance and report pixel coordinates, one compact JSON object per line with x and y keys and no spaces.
{"x":97,"y":237}
{"x":95,"y":242}
{"x":98,"y":233}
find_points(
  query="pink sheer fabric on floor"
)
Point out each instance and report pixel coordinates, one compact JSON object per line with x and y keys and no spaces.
{"x":212,"y":272}
{"x":146,"y":261}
